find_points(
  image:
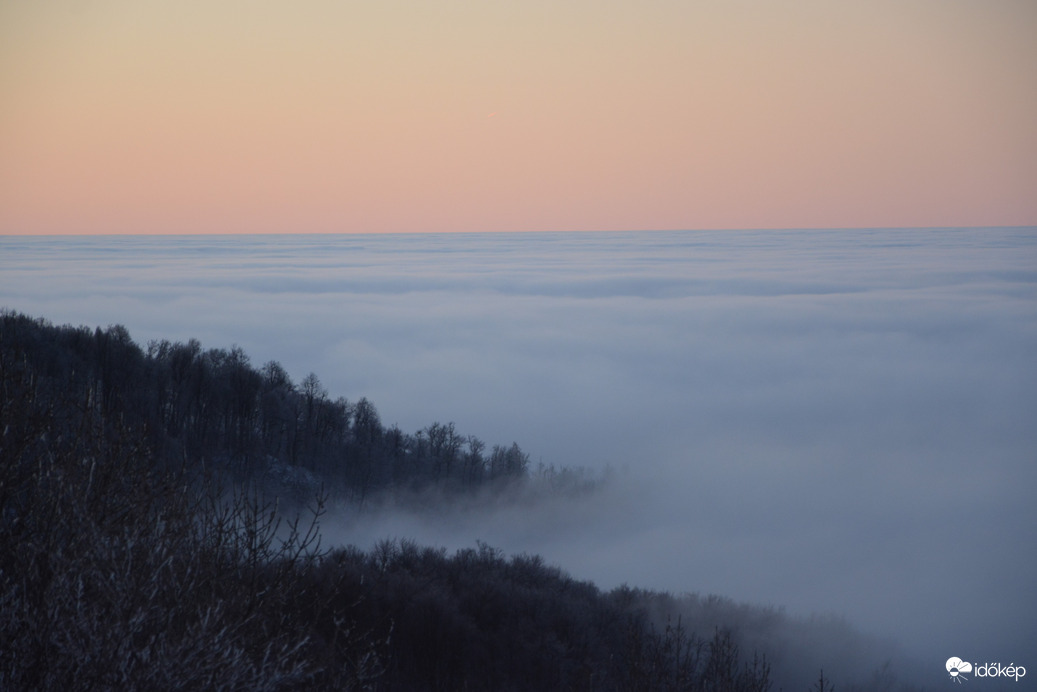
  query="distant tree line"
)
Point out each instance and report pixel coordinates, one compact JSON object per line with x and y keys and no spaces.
{"x":214,"y":408}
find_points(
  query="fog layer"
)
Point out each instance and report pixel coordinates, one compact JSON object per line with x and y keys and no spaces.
{"x":830,"y":421}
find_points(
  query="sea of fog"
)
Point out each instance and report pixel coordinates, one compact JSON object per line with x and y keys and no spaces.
{"x":828,"y":421}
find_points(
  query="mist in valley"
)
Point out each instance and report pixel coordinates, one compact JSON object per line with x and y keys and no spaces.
{"x":837,"y":425}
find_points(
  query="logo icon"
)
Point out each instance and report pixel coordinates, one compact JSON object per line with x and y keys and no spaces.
{"x":956,"y":667}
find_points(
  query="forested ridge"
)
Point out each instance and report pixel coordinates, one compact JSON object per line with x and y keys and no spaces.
{"x":213,"y":407}
{"x":160,"y":516}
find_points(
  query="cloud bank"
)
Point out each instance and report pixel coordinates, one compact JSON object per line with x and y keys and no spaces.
{"x":830,"y":421}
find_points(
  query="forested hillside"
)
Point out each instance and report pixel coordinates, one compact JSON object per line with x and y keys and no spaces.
{"x":143,"y":545}
{"x":213,"y":408}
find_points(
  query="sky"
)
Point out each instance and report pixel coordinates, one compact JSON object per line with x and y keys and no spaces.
{"x":823,"y":421}
{"x":130,"y":117}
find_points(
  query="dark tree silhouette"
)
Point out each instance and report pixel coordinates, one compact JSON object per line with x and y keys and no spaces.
{"x":146,"y":543}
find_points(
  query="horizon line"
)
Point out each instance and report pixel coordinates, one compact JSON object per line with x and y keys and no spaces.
{"x":6,"y":234}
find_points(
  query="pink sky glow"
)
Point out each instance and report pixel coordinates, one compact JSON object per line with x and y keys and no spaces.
{"x":129,"y":116}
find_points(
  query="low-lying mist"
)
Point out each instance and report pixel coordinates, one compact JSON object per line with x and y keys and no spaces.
{"x":837,"y":423}
{"x":608,"y":535}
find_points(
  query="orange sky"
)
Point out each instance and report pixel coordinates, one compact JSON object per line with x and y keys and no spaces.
{"x":140,"y":116}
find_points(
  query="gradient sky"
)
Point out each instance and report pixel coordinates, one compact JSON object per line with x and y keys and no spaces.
{"x":138,"y":116}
